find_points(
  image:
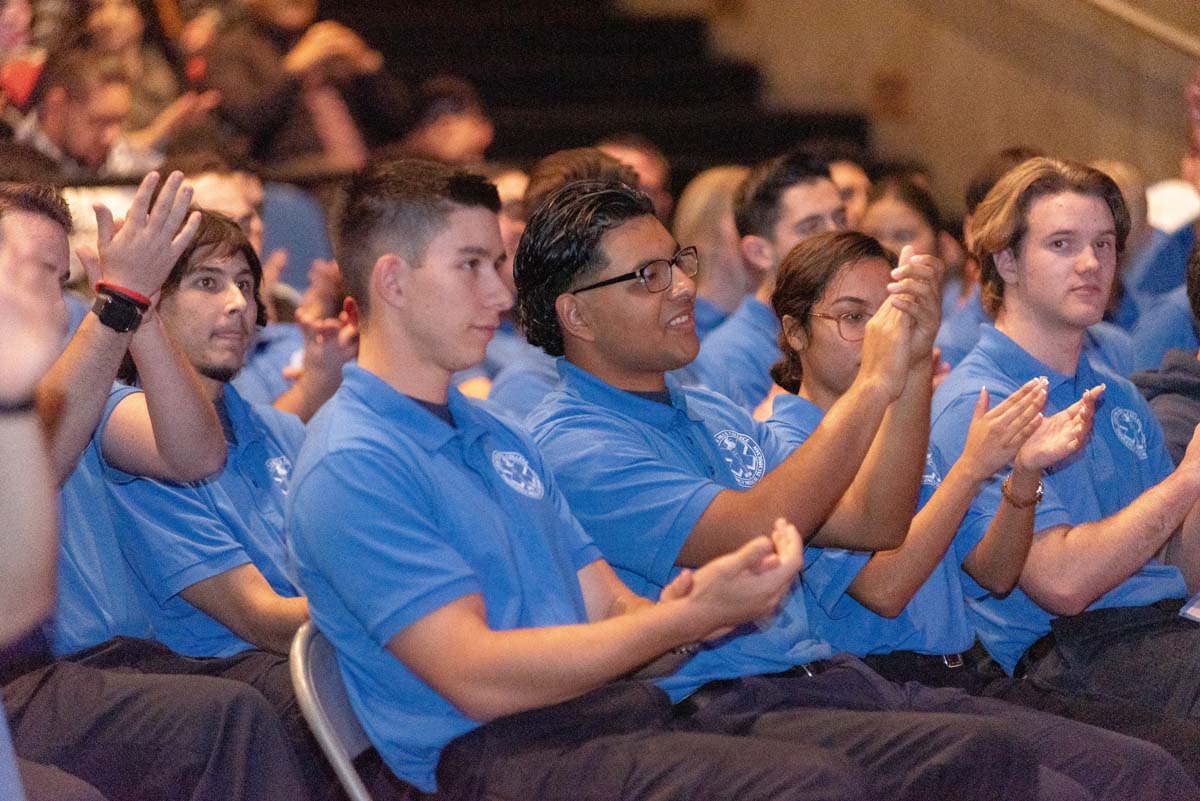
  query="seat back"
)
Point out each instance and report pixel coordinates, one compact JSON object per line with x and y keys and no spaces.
{"x":326,"y":706}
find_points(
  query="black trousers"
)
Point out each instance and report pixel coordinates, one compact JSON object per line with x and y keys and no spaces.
{"x":266,"y":672}
{"x":845,"y":733}
{"x":84,"y":734}
{"x":1116,"y":711}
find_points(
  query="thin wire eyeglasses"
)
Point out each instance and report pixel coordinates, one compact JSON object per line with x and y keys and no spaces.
{"x":851,"y":326}
{"x":656,"y":275}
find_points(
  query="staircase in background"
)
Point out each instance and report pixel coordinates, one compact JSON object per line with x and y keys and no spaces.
{"x":562,"y":74}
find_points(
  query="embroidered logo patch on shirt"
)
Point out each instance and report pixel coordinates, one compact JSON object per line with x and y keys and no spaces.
{"x":516,"y":472}
{"x":1129,"y":430}
{"x":744,"y":457}
{"x":280,"y":470}
{"x":931,"y":477}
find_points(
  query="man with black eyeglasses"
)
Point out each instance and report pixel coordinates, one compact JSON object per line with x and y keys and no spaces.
{"x":664,"y":478}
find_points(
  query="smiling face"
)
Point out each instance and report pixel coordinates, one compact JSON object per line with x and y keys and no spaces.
{"x":211,"y":315}
{"x":633,"y":335}
{"x":1061,"y":273}
{"x":830,"y":362}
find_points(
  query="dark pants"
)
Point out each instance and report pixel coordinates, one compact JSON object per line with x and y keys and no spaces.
{"x":108,"y":733}
{"x":981,"y":676}
{"x":1145,"y":655}
{"x":264,"y":671}
{"x":755,"y":738}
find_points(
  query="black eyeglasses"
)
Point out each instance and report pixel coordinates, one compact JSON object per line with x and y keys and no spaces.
{"x":656,"y":275}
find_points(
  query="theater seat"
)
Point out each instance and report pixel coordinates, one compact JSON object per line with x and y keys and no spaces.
{"x":326,"y":707}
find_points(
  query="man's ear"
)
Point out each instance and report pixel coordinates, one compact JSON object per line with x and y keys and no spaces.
{"x":389,"y":280}
{"x":1006,"y":265}
{"x":758,"y":252}
{"x":572,"y":318}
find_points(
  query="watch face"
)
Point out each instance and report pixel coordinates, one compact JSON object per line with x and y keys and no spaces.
{"x":117,"y":313}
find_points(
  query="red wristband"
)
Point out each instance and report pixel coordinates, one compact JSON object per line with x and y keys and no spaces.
{"x":140,"y":300}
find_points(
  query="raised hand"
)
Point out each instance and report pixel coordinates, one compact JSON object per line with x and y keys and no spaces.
{"x":996,"y":435}
{"x":745,"y":585}
{"x":1061,"y":434}
{"x":917,"y":284}
{"x":138,"y":254}
{"x":887,"y":346}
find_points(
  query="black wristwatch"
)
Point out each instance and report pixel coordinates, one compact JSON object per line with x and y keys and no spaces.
{"x":117,"y":312}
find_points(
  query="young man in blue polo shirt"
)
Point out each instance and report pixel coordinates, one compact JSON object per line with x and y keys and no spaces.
{"x":481,"y":636}
{"x":1116,"y":548}
{"x":212,"y":553}
{"x":782,"y":201}
{"x":79,"y":729}
{"x":662,"y":476}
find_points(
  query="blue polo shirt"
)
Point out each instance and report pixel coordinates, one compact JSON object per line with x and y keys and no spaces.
{"x":174,"y":535}
{"x":275,"y":347}
{"x":708,"y":316}
{"x":934,"y":621}
{"x":523,"y":382}
{"x":1123,"y":458}
{"x":98,"y":596}
{"x":1167,"y":326}
{"x":639,"y":473}
{"x":736,"y":358}
{"x":393,"y":514}
{"x":958,"y":335}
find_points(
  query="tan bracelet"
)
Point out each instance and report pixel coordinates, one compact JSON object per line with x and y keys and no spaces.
{"x":1005,"y":490}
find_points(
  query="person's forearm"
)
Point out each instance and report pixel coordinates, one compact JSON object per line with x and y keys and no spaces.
{"x":1183,"y":549}
{"x":803,"y":489}
{"x":187,"y":431}
{"x":1069,"y":568}
{"x":306,"y":396}
{"x":73,"y":392}
{"x":504,"y":672}
{"x":890,"y":579}
{"x":273,"y":626}
{"x":29,"y":535}
{"x":996,"y":562}
{"x":877,"y":509}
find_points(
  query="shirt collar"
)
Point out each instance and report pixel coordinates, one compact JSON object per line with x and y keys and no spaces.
{"x":584,"y":385}
{"x":427,"y":429}
{"x":1015,"y":362}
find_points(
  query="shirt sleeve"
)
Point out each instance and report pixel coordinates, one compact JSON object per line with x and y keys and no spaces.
{"x":639,"y":508}
{"x":367,"y":522}
{"x":171,"y":536}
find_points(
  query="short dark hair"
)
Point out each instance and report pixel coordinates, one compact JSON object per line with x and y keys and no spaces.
{"x":398,"y":206}
{"x":756,"y":203}
{"x":804,"y":275}
{"x":1002,"y":218}
{"x":39,"y":199}
{"x":911,"y":194}
{"x":992,"y":170}
{"x":561,"y":244}
{"x":78,"y":71}
{"x":575,"y":164}
{"x":218,"y":237}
